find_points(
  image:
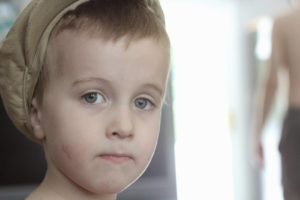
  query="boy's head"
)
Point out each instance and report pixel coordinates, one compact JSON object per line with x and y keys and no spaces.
{"x":22,"y":53}
{"x":96,"y":103}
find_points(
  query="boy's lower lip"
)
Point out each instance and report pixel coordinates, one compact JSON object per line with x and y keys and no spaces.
{"x":116,"y":158}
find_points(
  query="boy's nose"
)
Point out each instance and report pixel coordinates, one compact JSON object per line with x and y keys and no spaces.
{"x":121,"y":124}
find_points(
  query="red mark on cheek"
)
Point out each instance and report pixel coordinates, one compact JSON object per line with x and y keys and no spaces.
{"x":65,"y":149}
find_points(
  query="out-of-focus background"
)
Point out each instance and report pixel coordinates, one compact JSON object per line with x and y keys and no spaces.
{"x":220,"y":50}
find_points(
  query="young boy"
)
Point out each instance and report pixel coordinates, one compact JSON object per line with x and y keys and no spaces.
{"x":86,"y":79}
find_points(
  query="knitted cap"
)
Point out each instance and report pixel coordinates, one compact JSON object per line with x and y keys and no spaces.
{"x":21,"y":57}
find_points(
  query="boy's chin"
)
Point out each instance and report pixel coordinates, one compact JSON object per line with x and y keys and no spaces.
{"x":110,"y":188}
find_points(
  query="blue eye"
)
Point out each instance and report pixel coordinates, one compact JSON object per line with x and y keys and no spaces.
{"x":143,"y":103}
{"x":93,"y":98}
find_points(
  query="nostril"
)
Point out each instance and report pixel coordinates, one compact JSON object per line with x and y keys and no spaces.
{"x":114,"y":133}
{"x":120,"y":134}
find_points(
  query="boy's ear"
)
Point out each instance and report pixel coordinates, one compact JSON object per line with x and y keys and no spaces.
{"x":35,"y":119}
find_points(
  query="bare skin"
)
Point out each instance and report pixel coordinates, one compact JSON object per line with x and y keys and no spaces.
{"x":285,"y":58}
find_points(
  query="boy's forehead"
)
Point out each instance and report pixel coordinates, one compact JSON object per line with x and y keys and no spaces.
{"x":125,"y":40}
{"x":72,"y":41}
{"x":72,"y":53}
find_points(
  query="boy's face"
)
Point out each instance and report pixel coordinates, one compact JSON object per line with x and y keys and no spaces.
{"x":101,"y":109}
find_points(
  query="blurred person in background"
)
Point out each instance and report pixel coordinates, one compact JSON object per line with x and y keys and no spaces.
{"x":285,"y":57}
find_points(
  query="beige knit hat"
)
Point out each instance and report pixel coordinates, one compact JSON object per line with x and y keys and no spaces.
{"x":21,"y":57}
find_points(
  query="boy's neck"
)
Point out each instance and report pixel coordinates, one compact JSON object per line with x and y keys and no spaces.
{"x":56,"y":187}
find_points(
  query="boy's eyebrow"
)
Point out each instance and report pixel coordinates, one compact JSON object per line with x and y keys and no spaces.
{"x":107,"y":82}
{"x":154,"y":87}
{"x":83,"y":80}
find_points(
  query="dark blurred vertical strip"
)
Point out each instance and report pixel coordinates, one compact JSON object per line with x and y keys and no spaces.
{"x":21,"y":161}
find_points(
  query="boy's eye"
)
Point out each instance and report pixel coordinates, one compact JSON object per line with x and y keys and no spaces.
{"x":93,"y":98}
{"x":143,"y":103}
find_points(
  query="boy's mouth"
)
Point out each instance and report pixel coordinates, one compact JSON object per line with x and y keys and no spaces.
{"x":116,"y":158}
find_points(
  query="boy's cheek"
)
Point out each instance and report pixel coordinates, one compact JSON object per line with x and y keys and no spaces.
{"x":149,"y":142}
